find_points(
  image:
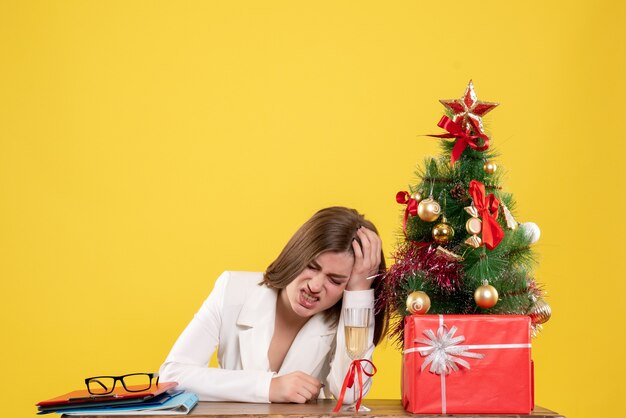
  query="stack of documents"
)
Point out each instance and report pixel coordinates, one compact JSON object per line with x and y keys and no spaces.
{"x":161,"y":399}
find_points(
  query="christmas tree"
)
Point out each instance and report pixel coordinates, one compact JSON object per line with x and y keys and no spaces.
{"x":462,"y":251}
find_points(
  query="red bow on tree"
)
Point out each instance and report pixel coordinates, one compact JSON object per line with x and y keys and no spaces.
{"x":463,"y":137}
{"x":404,"y":198}
{"x":355,"y":370}
{"x":488,"y":208}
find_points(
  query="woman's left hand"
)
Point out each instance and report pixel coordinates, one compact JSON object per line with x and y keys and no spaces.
{"x":366,"y":259}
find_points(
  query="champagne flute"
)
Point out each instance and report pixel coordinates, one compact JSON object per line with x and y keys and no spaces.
{"x":356,"y":323}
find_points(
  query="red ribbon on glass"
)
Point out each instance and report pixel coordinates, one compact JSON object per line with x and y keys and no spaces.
{"x":488,"y":208}
{"x":463,"y":137}
{"x":355,"y":370}
{"x":404,"y":198}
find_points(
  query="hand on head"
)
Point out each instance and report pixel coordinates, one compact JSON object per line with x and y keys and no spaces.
{"x":296,"y":387}
{"x":367,"y":257}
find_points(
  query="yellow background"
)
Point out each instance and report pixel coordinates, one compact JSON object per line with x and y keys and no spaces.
{"x":148,"y":146}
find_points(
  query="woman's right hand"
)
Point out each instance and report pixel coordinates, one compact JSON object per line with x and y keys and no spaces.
{"x":367,"y":256}
{"x":296,"y":387}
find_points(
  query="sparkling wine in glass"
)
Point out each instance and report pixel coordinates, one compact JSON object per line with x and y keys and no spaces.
{"x":356,"y":323}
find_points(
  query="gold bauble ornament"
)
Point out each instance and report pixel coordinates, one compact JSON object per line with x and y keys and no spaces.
{"x":540,"y":312}
{"x":418,"y":302}
{"x":486,"y":296}
{"x":428,"y":210}
{"x":490,"y":167}
{"x":442,"y":233}
{"x":417,"y":196}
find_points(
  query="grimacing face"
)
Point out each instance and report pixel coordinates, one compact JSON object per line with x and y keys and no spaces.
{"x":320,"y":285}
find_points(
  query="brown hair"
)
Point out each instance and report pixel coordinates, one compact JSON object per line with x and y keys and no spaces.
{"x":329,"y":230}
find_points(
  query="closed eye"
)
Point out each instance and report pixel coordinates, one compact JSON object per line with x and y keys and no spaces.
{"x":335,"y":280}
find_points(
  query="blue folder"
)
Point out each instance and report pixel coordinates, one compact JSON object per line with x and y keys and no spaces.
{"x":180,"y":404}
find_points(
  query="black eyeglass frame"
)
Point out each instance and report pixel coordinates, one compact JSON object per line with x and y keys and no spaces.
{"x":121,"y":379}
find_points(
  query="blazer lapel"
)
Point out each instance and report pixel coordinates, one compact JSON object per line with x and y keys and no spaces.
{"x":256,"y":327}
{"x":310,"y":346}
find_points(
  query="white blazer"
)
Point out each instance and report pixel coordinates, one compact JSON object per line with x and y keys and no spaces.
{"x":238,"y":318}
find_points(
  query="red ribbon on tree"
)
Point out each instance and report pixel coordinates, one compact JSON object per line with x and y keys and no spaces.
{"x":488,"y":208}
{"x":355,"y":370}
{"x":463,"y":137}
{"x":404,"y":198}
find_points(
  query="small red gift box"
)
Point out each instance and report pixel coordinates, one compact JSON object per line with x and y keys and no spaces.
{"x":467,"y":364}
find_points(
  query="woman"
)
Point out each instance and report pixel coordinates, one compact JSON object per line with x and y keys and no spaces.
{"x":279,"y":335}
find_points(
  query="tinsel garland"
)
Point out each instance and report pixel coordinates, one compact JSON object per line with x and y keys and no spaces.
{"x":411,"y":259}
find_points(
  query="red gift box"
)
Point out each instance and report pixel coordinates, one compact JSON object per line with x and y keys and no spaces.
{"x":467,"y":364}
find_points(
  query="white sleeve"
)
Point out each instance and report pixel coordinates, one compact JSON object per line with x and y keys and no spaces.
{"x":341,"y":361}
{"x":187,"y":362}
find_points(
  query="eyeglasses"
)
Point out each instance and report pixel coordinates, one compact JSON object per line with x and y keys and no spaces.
{"x":134,"y":382}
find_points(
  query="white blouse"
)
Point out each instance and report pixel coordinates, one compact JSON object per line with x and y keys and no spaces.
{"x":238,"y":318}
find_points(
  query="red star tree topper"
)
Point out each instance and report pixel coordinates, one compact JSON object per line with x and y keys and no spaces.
{"x":468,"y":107}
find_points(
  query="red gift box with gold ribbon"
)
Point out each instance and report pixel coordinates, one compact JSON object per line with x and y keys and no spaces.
{"x":467,"y":364}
